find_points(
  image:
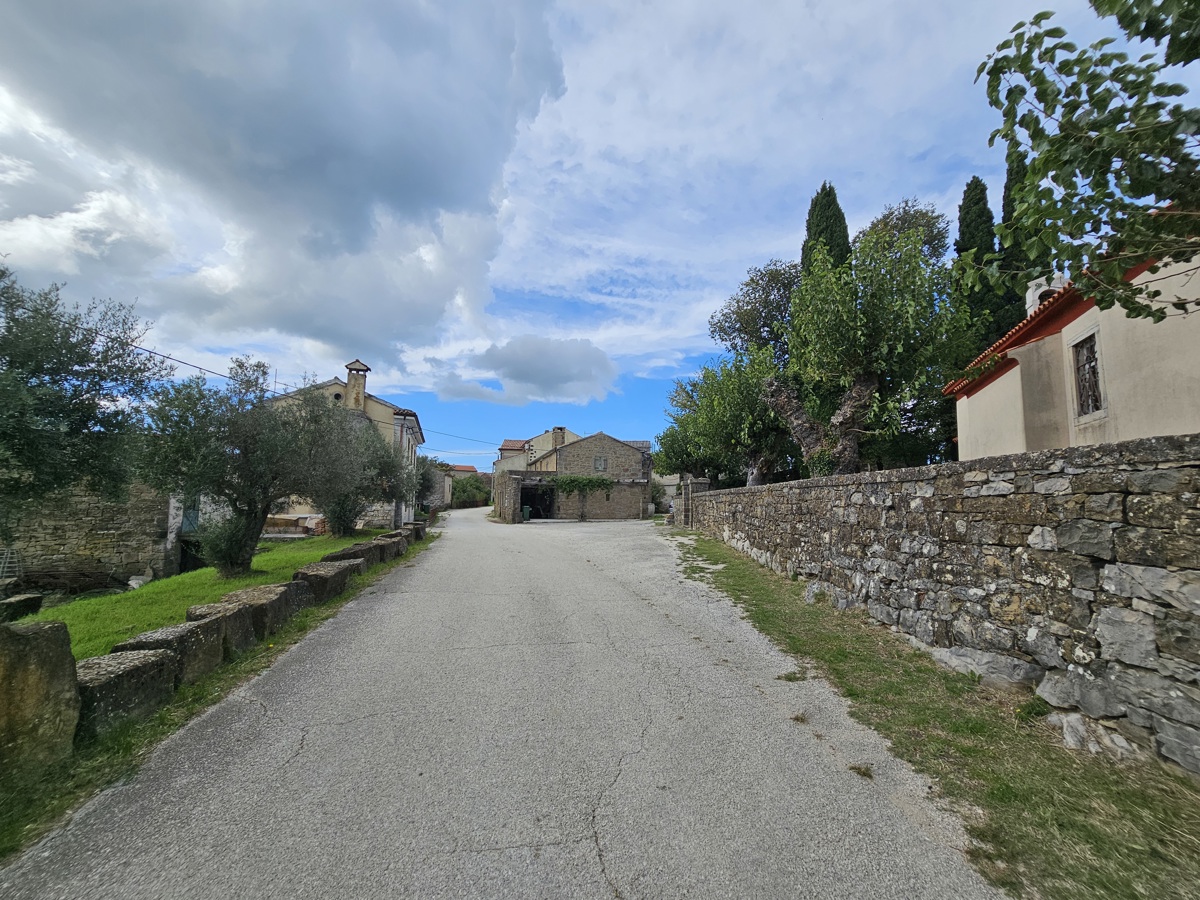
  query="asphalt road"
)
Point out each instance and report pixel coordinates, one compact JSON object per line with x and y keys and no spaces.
{"x":544,"y":710}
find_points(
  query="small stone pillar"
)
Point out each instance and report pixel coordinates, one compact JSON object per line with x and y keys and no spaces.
{"x":688,"y":488}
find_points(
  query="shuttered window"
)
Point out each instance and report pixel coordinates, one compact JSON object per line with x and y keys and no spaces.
{"x":1087,"y":376}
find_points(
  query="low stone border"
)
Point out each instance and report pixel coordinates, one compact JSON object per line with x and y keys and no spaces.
{"x":48,"y":702}
{"x":19,"y":606}
{"x":123,"y":686}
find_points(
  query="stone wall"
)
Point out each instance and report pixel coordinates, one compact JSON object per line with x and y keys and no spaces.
{"x":83,"y":541}
{"x":1076,"y":569}
{"x":626,"y":500}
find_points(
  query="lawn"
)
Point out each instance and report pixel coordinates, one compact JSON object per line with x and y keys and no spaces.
{"x":98,"y":623}
{"x":1046,"y":822}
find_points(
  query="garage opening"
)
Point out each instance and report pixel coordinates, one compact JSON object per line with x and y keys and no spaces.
{"x":540,"y":500}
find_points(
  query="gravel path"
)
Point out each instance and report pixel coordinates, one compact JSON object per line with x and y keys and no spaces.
{"x":544,"y":710}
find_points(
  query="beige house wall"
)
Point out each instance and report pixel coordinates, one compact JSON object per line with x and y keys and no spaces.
{"x":1149,"y":384}
{"x":992,"y":422}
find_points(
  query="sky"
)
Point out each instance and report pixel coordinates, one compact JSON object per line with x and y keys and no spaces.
{"x":518,"y":213}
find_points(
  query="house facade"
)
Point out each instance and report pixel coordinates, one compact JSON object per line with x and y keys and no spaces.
{"x":399,"y":428}
{"x":1072,"y":374}
{"x":626,"y":463}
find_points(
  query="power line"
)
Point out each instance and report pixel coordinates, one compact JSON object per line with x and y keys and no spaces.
{"x":174,"y":359}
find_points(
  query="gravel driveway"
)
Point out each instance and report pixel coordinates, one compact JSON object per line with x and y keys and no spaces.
{"x":542,"y":710}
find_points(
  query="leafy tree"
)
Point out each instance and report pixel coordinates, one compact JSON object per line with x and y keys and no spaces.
{"x":826,"y":224}
{"x":722,"y":426}
{"x":233,"y":445}
{"x":870,"y":341}
{"x":469,"y":489}
{"x":757,"y":316}
{"x":1175,"y":21}
{"x":1114,"y":177}
{"x":349,"y":464}
{"x":995,"y":309}
{"x":426,"y":472}
{"x":73,"y":388}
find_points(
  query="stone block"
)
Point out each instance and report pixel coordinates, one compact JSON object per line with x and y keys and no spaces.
{"x":1073,"y":689}
{"x":124,"y":686}
{"x":1161,"y":696}
{"x":368,"y":551}
{"x":1178,"y":742}
{"x":270,"y":606}
{"x":991,"y":667}
{"x":1127,"y":635}
{"x":1156,"y":510}
{"x":237,"y":624}
{"x":328,"y":579}
{"x":1179,"y":589}
{"x":1160,"y":481}
{"x":19,"y":606}
{"x":1044,"y":647}
{"x":39,"y":698}
{"x":418,"y":529}
{"x":198,"y":647}
{"x":390,"y":548}
{"x":980,"y":634}
{"x":1178,"y":634}
{"x":1143,"y":546}
{"x":1085,"y":538}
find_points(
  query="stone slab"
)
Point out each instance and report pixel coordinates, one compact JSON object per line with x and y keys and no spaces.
{"x":271,"y":605}
{"x":368,"y":551}
{"x":19,"y":606}
{"x":237,"y":624}
{"x":328,"y":579}
{"x":39,"y":697}
{"x":198,"y":646}
{"x":123,"y":686}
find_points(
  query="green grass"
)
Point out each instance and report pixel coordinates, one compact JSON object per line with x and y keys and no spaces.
{"x":98,"y":623}
{"x":1046,"y":822}
{"x":31,"y":809}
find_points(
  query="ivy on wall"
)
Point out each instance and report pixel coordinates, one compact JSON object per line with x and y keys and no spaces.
{"x":581,"y":484}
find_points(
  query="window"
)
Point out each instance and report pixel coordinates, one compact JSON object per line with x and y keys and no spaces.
{"x":600,"y":463}
{"x":1087,"y":376}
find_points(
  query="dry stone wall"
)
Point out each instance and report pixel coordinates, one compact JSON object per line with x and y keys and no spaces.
{"x":1076,"y":569}
{"x":83,"y":541}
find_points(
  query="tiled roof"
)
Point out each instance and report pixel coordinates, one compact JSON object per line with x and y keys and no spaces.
{"x":1048,"y":318}
{"x":464,"y":468}
{"x":512,"y":444}
{"x":640,"y":445}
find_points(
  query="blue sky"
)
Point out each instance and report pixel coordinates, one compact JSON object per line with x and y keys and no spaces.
{"x":519,"y":213}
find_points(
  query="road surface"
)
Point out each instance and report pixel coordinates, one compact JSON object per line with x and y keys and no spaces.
{"x":543,"y":710}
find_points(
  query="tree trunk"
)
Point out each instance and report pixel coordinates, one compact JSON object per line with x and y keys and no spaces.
{"x":839,"y":439}
{"x":252,"y":529}
{"x":759,"y":470}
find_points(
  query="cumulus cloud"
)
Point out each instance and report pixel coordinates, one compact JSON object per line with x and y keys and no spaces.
{"x":326,"y":172}
{"x":530,"y":367}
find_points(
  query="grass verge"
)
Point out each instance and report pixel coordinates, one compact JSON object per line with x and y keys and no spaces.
{"x":1046,"y":822}
{"x":98,"y":623}
{"x":30,"y":810}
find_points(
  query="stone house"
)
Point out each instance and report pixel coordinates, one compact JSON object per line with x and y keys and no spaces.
{"x":626,"y":463}
{"x":399,"y":427}
{"x":1071,"y":374}
{"x":517,"y":454}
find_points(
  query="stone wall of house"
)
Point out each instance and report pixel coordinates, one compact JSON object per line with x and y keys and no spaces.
{"x":1075,"y":569}
{"x":626,"y":500}
{"x":624,"y":463}
{"x":82,"y":541}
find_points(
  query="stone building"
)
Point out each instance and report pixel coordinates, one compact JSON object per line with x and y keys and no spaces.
{"x":626,"y":463}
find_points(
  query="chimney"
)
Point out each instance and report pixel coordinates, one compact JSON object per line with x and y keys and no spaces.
{"x":1039,"y":291}
{"x":356,"y":384}
{"x":558,"y":436}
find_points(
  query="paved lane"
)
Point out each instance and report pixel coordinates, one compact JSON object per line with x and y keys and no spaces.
{"x":545,"y":710}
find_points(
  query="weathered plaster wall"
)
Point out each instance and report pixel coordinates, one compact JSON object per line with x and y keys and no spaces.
{"x":1078,"y":569}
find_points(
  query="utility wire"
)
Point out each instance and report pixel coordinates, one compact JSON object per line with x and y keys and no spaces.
{"x":182,"y":362}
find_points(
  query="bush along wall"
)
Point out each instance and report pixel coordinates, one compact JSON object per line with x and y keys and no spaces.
{"x":1077,"y":570}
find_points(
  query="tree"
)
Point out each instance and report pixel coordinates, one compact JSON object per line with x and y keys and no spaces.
{"x":826,"y":224}
{"x":348,"y":464}
{"x":722,"y":426}
{"x":869,"y":340}
{"x":426,"y":472}
{"x":73,"y":388}
{"x":1114,"y":178}
{"x":995,"y":309}
{"x":469,"y":489}
{"x":231,"y":444}
{"x":757,"y":316}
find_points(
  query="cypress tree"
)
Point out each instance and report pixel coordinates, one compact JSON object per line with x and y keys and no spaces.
{"x":1009,"y":306}
{"x":976,"y":224}
{"x":826,"y":224}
